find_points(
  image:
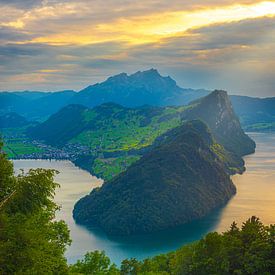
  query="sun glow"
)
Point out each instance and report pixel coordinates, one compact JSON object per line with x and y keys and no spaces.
{"x":126,"y":29}
{"x":154,"y":27}
{"x":182,"y":21}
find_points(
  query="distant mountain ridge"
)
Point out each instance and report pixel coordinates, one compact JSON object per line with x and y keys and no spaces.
{"x":135,"y":90}
{"x":256,"y":114}
{"x":11,"y":120}
{"x":34,"y":105}
{"x":141,"y":88}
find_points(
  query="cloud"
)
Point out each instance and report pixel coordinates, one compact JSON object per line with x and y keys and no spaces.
{"x":25,"y":4}
{"x":52,"y":45}
{"x":8,"y":34}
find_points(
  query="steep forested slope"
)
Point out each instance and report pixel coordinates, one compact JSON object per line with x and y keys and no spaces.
{"x":180,"y":180}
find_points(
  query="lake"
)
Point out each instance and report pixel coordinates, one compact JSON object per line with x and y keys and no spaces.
{"x":255,"y":196}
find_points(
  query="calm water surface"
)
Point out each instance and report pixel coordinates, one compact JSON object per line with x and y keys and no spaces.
{"x":255,"y":196}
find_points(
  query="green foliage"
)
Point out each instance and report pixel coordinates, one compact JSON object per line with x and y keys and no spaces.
{"x":158,"y":265}
{"x":17,"y":144}
{"x":94,"y":263}
{"x":107,"y":168}
{"x":107,"y":128}
{"x":130,"y":266}
{"x":31,"y":241}
{"x":125,"y":129}
{"x":232,"y":163}
{"x":7,"y":180}
{"x":17,"y":148}
{"x":249,"y":250}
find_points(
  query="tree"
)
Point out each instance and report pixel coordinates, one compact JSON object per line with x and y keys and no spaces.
{"x":249,"y":250}
{"x":130,"y":267}
{"x":31,"y":241}
{"x":94,"y":263}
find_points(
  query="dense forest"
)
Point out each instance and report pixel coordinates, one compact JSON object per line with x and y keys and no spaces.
{"x":32,"y":242}
{"x":181,"y":179}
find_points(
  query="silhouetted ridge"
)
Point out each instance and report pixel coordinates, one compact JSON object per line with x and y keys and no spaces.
{"x":140,"y":88}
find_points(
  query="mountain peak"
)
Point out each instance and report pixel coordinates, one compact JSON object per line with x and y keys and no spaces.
{"x":219,"y":93}
{"x":147,"y":87}
{"x":151,"y":72}
{"x":217,"y":112}
{"x":216,"y":95}
{"x":118,"y":77}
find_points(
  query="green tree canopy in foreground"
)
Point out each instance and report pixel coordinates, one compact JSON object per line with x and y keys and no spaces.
{"x":246,"y":250}
{"x":32,"y":242}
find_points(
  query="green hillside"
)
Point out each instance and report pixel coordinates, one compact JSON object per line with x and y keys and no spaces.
{"x":115,"y":135}
{"x":176,"y":182}
{"x":112,"y":131}
{"x":108,"y":127}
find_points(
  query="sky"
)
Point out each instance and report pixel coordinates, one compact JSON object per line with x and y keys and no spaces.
{"x":53,"y":45}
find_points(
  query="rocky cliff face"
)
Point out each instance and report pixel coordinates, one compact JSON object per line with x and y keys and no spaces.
{"x":180,"y":180}
{"x":217,"y":112}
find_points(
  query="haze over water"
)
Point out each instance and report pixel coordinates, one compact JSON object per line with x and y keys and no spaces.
{"x":255,"y":196}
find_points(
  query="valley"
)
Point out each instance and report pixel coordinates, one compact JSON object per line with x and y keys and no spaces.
{"x":125,"y":146}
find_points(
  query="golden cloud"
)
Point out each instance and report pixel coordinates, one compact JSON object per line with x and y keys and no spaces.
{"x":139,"y":29}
